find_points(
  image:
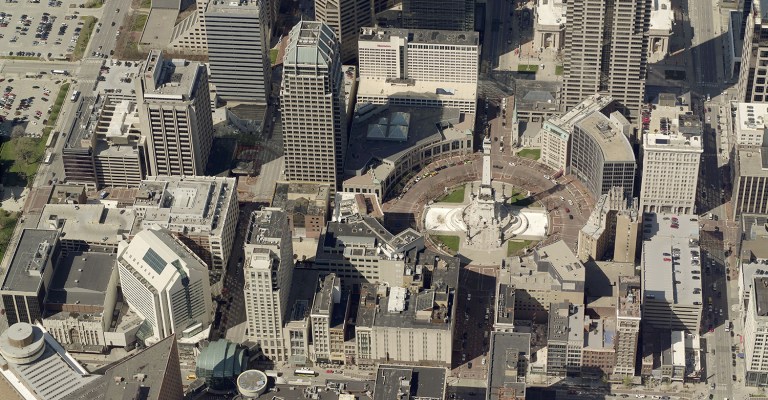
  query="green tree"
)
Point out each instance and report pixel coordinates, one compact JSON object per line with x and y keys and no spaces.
{"x":26,"y":150}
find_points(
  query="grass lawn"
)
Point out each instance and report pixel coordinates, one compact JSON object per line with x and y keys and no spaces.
{"x":146,"y":3}
{"x":85,"y":36}
{"x":527,"y":68}
{"x":7,"y":224}
{"x":138,"y":22}
{"x":533,"y":154}
{"x":457,"y":196}
{"x":273,"y":55}
{"x":451,"y":242}
{"x":520,"y":199}
{"x":94,"y":3}
{"x":559,"y":70}
{"x":515,"y":246}
{"x":56,"y":108}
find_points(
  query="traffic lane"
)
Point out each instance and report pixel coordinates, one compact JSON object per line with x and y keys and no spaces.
{"x":476,"y":298}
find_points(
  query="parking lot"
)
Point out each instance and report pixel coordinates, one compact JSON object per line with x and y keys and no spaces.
{"x":48,"y":30}
{"x":29,"y":102}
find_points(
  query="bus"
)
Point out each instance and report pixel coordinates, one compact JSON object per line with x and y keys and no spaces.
{"x":305,"y":372}
{"x":59,"y":72}
{"x":75,"y":96}
{"x":48,"y":157}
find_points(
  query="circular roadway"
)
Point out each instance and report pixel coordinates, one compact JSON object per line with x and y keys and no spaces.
{"x":406,"y":210}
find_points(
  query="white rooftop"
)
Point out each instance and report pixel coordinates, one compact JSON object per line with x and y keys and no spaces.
{"x":93,"y":223}
{"x":661,"y":15}
{"x":550,"y":12}
{"x":664,"y":130}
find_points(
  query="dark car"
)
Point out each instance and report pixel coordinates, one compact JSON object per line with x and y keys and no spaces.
{"x":733,"y":377}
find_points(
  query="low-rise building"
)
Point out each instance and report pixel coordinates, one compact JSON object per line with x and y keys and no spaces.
{"x":671,"y":272}
{"x":81,"y":301}
{"x":327,"y":299}
{"x":508,"y":359}
{"x":660,"y":29}
{"x":389,"y":142}
{"x":753,"y":254}
{"x":599,"y":352}
{"x":552,"y":274}
{"x":307,"y":206}
{"x":536,"y":101}
{"x":297,"y":327}
{"x":88,"y":227}
{"x":549,"y":25}
{"x":411,"y":325}
{"x":565,"y":339}
{"x":396,"y":382}
{"x":201,"y":210}
{"x":361,"y":250}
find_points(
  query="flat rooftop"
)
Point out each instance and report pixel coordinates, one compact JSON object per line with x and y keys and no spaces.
{"x":266,"y":224}
{"x":422,"y":382}
{"x":30,"y":258}
{"x":92,"y":223}
{"x":422,"y":36}
{"x":670,"y":128}
{"x":600,"y":334}
{"x":382,"y":135}
{"x":82,"y":278}
{"x":302,"y":198}
{"x":566,"y":323}
{"x":233,"y":7}
{"x":550,"y":13}
{"x":751,"y":118}
{"x":671,"y":259}
{"x":198,"y":201}
{"x":628,"y":304}
{"x":323,"y":302}
{"x":592,"y":104}
{"x":168,"y":80}
{"x":753,"y":161}
{"x":612,"y":142}
{"x":303,"y":289}
{"x":761,"y":296}
{"x":416,"y":89}
{"x":506,"y":372}
{"x":662,"y":15}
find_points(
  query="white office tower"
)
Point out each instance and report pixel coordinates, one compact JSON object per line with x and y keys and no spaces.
{"x":166,"y":284}
{"x":606,"y":44}
{"x":238,"y":46}
{"x":419,"y":67}
{"x":756,"y":334}
{"x":345,"y":17}
{"x":268,"y":273}
{"x":312,"y":101}
{"x":175,"y":113}
{"x":672,"y":149}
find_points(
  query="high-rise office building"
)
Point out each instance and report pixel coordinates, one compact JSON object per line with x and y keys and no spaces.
{"x":756,"y":333}
{"x":752,"y":86}
{"x":238,"y":45}
{"x":452,"y":15}
{"x":345,"y":17}
{"x":268,"y":272}
{"x":165,"y":283}
{"x":627,"y":324}
{"x":175,"y":112}
{"x":312,"y":101}
{"x":606,"y":45}
{"x":672,"y":150}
